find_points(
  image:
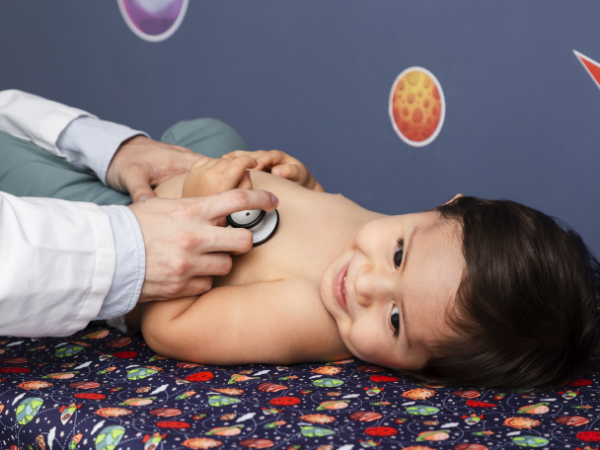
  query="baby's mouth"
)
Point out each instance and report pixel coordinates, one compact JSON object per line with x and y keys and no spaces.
{"x":339,"y":287}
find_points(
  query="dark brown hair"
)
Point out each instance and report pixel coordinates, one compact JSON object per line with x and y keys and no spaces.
{"x":526,"y":312}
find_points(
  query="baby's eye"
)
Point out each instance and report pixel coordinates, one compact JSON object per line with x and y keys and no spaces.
{"x":398,"y":255}
{"x":395,"y":320}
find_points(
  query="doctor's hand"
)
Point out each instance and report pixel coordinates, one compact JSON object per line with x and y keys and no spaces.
{"x":186,"y":243}
{"x":141,"y":163}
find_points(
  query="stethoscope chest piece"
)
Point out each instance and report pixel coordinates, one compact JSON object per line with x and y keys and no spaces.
{"x":262,"y":224}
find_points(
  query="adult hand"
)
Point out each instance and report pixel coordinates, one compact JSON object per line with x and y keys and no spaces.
{"x":141,"y":163}
{"x":184,"y":237}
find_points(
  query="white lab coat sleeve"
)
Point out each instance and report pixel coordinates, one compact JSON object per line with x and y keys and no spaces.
{"x":36,"y":119}
{"x":78,"y":136}
{"x":57,"y":261}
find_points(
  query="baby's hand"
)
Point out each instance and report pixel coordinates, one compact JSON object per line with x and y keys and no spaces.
{"x":281,"y":165}
{"x":212,"y":176}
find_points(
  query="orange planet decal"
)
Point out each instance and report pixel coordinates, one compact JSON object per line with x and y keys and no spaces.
{"x":591,"y":66}
{"x":417,"y":107}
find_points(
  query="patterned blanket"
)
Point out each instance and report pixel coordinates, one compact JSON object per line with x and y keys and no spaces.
{"x":103,"y":390}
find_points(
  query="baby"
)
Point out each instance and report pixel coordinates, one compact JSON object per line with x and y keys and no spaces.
{"x":473,"y":293}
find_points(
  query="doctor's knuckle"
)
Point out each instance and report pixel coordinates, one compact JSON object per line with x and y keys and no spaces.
{"x":225,"y":265}
{"x":173,"y":289}
{"x":188,"y":241}
{"x":245,"y":240}
{"x":186,"y":211}
{"x":240,"y":198}
{"x":180,"y":267}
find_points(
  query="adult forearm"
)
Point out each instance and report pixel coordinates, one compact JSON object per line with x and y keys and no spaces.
{"x":54,"y":278}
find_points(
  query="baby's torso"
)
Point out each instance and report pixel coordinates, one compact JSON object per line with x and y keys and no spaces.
{"x":313,"y":228}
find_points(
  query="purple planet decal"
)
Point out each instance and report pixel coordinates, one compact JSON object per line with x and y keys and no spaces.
{"x":153,"y":20}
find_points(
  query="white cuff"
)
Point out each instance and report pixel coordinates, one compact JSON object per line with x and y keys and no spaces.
{"x":130,"y":263}
{"x":91,"y":143}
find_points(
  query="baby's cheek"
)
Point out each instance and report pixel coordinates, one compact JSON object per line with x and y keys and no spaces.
{"x":365,"y":343}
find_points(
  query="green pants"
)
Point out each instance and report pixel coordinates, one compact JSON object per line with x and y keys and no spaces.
{"x":28,"y":171}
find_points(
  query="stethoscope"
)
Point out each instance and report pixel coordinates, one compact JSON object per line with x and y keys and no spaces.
{"x":262,"y":224}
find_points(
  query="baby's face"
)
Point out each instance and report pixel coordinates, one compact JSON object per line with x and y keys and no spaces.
{"x":389,"y":288}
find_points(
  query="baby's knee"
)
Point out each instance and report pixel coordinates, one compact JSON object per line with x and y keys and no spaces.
{"x":206,"y":136}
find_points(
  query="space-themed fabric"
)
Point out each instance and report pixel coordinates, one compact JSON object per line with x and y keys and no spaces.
{"x":103,"y":390}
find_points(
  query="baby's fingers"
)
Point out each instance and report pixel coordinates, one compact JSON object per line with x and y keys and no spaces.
{"x":235,"y":154}
{"x":245,"y":182}
{"x":290,"y":172}
{"x":236,"y":168}
{"x":268,"y":160}
{"x":239,"y":153}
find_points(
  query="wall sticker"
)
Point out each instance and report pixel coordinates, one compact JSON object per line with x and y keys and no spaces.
{"x":153,"y":20}
{"x":417,"y":107}
{"x":591,"y":66}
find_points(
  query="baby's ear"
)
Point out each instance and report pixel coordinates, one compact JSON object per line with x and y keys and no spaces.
{"x":455,"y":197}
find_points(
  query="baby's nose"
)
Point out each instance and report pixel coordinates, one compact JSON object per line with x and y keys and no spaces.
{"x":369,"y":286}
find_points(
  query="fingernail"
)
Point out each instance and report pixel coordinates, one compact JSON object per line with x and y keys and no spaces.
{"x":275,"y":200}
{"x":142,"y":198}
{"x":276,"y":172}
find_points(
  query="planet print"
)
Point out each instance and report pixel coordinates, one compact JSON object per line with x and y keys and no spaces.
{"x":166,"y":412}
{"x":109,"y":437}
{"x":365,"y":416}
{"x":312,"y":431}
{"x":34,"y":385}
{"x":417,"y":106}
{"x":27,"y":409}
{"x":530,"y":441}
{"x":422,"y":410}
{"x":153,"y":20}
{"x":113,"y":412}
{"x":318,"y":418}
{"x":257,"y":443}
{"x":201,"y":443}
{"x":418,"y":394}
{"x":222,"y":400}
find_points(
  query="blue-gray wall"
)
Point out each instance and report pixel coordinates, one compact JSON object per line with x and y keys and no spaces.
{"x":313,"y":78}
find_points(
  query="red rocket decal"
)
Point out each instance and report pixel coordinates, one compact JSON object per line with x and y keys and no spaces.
{"x":591,"y":66}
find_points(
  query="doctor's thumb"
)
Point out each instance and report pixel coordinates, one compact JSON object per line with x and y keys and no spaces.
{"x":140,"y":190}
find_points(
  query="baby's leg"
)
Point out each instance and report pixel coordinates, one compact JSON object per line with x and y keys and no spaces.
{"x":208,"y":137}
{"x":28,"y":171}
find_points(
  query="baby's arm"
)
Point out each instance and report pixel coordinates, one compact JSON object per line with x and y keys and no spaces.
{"x":213,"y":176}
{"x":209,"y":176}
{"x":265,"y":322}
{"x":281,"y":165}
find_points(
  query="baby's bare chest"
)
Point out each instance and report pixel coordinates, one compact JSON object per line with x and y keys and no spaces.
{"x":299,"y":249}
{"x":311,"y":234}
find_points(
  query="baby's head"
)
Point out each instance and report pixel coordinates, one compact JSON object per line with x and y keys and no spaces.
{"x":482,"y":293}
